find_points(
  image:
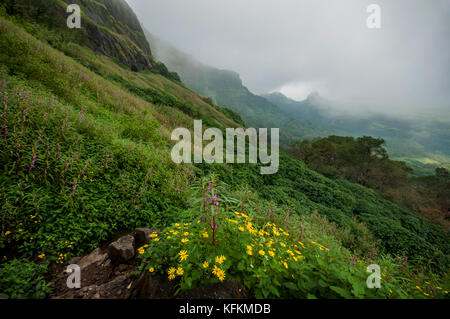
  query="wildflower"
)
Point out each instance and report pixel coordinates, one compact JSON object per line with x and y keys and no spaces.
{"x":241,"y":228}
{"x":171,"y":273}
{"x":220,"y":259}
{"x":262,"y":252}
{"x":156,"y":239}
{"x":271,"y":253}
{"x":186,"y":234}
{"x":219,"y":273}
{"x":205,"y":264}
{"x":151,"y":269}
{"x":41,"y":256}
{"x":183,"y":255}
{"x":285,"y":265}
{"x":7,"y":233}
{"x":184,"y":240}
{"x":249,"y":252}
{"x":141,"y":250}
{"x":283,"y":245}
{"x":153,"y":235}
{"x":180,"y":271}
{"x":205,"y":235}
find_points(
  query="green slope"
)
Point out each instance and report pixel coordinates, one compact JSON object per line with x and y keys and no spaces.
{"x":85,"y":153}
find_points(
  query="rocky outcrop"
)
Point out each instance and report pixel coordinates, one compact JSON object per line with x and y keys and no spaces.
{"x":122,"y":250}
{"x":110,"y":273}
{"x":111,"y":28}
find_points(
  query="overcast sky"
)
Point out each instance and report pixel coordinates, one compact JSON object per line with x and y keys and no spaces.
{"x":300,"y":46}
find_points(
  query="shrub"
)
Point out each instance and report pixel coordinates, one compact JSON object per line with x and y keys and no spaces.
{"x":22,"y":279}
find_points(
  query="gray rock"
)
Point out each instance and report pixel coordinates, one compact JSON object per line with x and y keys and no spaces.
{"x":122,"y":250}
{"x":141,"y":236}
{"x":96,"y":257}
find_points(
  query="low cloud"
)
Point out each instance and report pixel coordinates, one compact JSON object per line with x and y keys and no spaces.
{"x":313,"y":45}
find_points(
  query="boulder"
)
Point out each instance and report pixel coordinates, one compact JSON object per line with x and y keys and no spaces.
{"x":96,"y":257}
{"x":141,"y":236}
{"x":122,"y":250}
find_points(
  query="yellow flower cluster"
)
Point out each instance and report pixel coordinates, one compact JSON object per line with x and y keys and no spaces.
{"x":220,"y":259}
{"x":173,"y":272}
{"x":141,"y":250}
{"x":219,"y":273}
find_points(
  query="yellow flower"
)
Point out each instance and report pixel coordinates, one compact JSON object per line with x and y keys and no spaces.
{"x":172,"y":277}
{"x":186,"y":234}
{"x":283,"y":244}
{"x":151,"y":269}
{"x":220,"y":259}
{"x":205,"y":235}
{"x":249,"y":252}
{"x":184,"y":240}
{"x":219,"y":273}
{"x":141,"y":250}
{"x":232,"y":221}
{"x":183,"y":255}
{"x":156,"y":239}
{"x":205,"y":264}
{"x":285,"y":265}
{"x":241,"y":228}
{"x":271,"y":253}
{"x":262,"y":252}
{"x":180,"y":271}
{"x":41,"y":256}
{"x":7,"y":233}
{"x":153,"y":235}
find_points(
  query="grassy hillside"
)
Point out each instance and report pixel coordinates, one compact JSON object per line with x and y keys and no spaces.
{"x":85,"y":154}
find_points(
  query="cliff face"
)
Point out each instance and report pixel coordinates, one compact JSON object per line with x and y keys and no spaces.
{"x":110,"y":27}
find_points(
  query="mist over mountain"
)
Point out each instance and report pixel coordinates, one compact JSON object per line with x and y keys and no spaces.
{"x":298,"y":47}
{"x":226,"y":89}
{"x":422,"y":141}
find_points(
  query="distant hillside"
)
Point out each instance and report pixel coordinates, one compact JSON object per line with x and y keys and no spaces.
{"x":423,"y":143}
{"x":226,"y":89}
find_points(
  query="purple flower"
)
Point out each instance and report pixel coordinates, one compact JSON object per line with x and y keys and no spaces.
{"x":33,"y":161}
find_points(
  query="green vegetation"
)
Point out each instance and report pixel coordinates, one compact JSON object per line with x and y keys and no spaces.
{"x":272,"y":255}
{"x":365,"y":161}
{"x":85,"y":153}
{"x":21,"y":279}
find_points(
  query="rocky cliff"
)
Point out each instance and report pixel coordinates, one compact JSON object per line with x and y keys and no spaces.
{"x":112,"y":28}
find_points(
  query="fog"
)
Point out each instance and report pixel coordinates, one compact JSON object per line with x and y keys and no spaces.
{"x":300,"y":46}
